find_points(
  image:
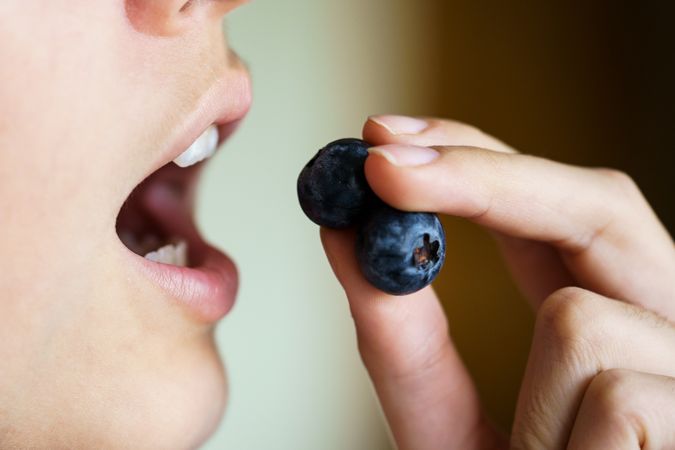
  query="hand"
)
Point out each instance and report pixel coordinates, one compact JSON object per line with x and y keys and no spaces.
{"x":600,"y":373}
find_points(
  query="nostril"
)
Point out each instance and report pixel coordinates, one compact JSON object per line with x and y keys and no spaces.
{"x":186,"y":6}
{"x":173,"y":17}
{"x":161,"y":17}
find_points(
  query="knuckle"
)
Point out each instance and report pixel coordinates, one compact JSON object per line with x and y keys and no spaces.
{"x":619,"y":177}
{"x":568,"y":320}
{"x":566,"y":311}
{"x":612,"y":393}
{"x":620,"y":182}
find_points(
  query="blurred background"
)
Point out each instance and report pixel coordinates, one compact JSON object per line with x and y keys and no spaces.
{"x":588,"y":83}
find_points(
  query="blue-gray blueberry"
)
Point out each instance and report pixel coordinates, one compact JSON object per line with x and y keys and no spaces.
{"x":332,"y":187}
{"x":400,"y":252}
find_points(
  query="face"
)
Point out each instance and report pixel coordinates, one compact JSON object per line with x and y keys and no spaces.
{"x":99,"y":346}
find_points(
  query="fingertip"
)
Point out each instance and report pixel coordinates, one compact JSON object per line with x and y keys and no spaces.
{"x":406,"y":155}
{"x":395,"y":129}
{"x":428,"y":132}
{"x":374,"y":133}
{"x":394,"y":185}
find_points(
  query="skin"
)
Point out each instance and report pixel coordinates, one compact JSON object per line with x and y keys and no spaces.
{"x":94,"y":356}
{"x":599,"y":272}
{"x":92,"y":353}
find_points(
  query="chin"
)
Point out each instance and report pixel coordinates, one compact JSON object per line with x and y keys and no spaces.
{"x":179,"y":408}
{"x":182,"y":410}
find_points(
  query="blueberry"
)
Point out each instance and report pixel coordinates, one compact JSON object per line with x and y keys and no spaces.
{"x":332,"y":187}
{"x":400,"y":252}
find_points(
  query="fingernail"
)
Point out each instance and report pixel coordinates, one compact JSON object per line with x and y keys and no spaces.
{"x":405,"y":156}
{"x":401,"y":124}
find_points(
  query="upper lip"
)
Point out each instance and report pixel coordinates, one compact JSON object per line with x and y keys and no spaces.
{"x":211,"y":110}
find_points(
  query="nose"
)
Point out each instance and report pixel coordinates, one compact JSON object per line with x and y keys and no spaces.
{"x":174,"y":17}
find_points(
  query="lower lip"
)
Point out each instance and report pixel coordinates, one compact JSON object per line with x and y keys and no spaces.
{"x":207,"y":292}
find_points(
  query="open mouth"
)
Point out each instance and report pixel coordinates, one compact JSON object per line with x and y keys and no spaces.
{"x":156,"y":223}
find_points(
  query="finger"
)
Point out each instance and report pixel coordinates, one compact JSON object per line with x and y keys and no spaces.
{"x":536,"y":266}
{"x":427,"y":132}
{"x":626,"y":409}
{"x":608,"y":235}
{"x":579,"y":334}
{"x":426,"y":393}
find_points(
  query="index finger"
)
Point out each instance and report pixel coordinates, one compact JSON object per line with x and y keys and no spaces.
{"x":605,"y":231}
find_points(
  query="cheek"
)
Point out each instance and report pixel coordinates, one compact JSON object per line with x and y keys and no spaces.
{"x":57,"y":105}
{"x":85,"y":355}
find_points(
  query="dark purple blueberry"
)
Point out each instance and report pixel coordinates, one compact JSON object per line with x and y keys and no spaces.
{"x":332,"y":187}
{"x":400,"y":252}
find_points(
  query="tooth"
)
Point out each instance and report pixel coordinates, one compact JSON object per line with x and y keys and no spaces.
{"x":166,"y":254}
{"x":181,"y":254}
{"x":174,"y":254}
{"x":203,"y":147}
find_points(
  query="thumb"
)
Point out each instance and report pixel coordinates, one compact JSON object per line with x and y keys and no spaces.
{"x":425,"y":391}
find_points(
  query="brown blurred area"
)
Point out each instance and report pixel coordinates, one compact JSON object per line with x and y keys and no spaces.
{"x":586,"y":83}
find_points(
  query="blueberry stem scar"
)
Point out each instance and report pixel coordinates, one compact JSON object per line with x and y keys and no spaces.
{"x":426,"y":254}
